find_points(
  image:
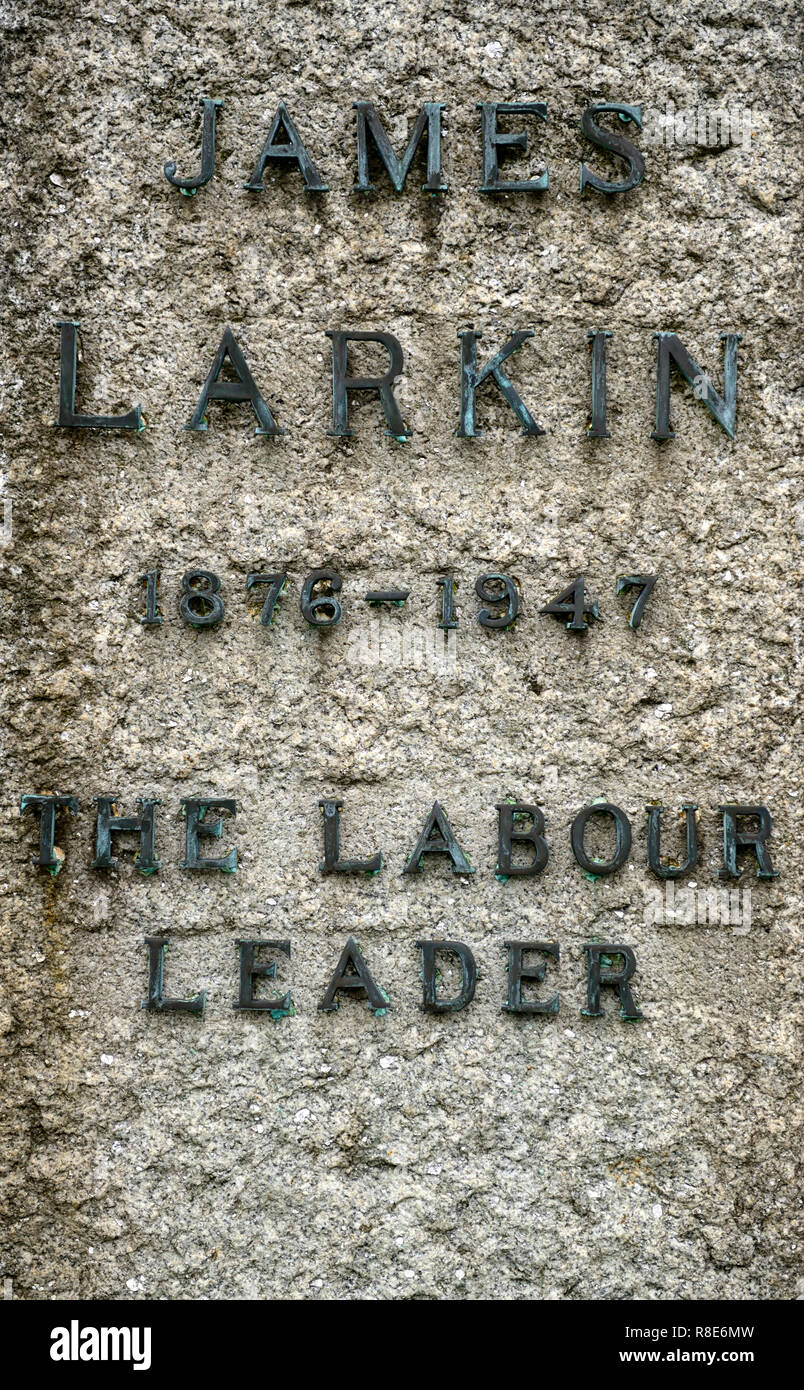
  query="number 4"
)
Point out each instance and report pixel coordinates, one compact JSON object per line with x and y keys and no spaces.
{"x":572,"y":603}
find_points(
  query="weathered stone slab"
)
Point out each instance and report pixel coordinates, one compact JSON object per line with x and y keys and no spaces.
{"x":356,"y":1152}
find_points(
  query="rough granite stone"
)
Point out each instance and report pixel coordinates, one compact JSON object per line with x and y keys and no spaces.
{"x":343,"y":1155}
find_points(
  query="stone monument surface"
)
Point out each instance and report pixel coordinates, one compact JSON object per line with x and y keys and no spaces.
{"x":366,"y":1151}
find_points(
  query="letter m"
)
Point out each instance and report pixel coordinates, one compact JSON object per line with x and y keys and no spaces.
{"x":115,"y":1344}
{"x":368,"y":122}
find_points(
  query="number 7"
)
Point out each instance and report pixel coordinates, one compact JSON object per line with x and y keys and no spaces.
{"x":643,"y":582}
{"x":278,"y":583}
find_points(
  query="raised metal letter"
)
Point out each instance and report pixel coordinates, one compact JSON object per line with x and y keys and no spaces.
{"x":293,"y":148}
{"x":397,"y":170}
{"x":600,"y":972}
{"x":437,"y":838}
{"x":622,"y":839}
{"x":197,"y":825}
{"x":507,"y":835}
{"x":472,"y":377}
{"x":383,"y":385}
{"x":724,"y":410}
{"x":252,"y":970}
{"x":190,"y":187}
{"x":430,"y":1003}
{"x":244,"y":389}
{"x":597,"y":428}
{"x":67,"y":383}
{"x":46,"y":808}
{"x":156,"y":1001}
{"x":109,"y":824}
{"x":333,"y":864}
{"x":494,"y":140}
{"x":734,"y":839}
{"x":517,"y":972}
{"x":351,"y":972}
{"x":615,"y":144}
{"x":672,"y":870}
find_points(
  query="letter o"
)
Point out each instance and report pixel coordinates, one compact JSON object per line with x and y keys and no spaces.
{"x":622,"y":845}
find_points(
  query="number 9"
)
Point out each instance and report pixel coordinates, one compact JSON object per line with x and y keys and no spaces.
{"x":509,"y":595}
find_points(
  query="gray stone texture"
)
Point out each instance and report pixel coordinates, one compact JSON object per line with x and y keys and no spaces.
{"x":407,"y":1156}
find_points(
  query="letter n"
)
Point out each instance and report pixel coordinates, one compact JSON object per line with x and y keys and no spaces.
{"x":724,"y":408}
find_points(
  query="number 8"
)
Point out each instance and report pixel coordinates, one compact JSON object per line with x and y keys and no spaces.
{"x":201,"y":605}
